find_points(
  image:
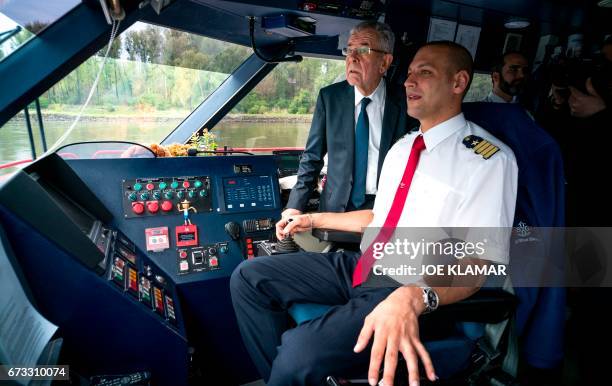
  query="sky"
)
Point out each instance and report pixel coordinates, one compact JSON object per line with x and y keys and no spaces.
{"x":22,"y":12}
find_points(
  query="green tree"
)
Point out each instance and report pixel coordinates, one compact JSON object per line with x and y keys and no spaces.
{"x":302,"y":103}
{"x":176,"y":44}
{"x":144,"y":45}
{"x":115,"y":50}
{"x":228,"y":59}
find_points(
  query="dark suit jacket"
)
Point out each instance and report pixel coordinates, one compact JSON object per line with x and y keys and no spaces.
{"x":333,"y":132}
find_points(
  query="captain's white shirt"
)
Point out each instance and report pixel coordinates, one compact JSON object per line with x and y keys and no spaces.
{"x":375,"y":110}
{"x":453,"y":185}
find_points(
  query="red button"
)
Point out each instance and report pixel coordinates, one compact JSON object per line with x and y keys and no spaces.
{"x":166,"y":206}
{"x":183,"y":254}
{"x":213,"y":262}
{"x":153,"y":206}
{"x":249,"y":240}
{"x":186,"y":184}
{"x":150,"y":186}
{"x":138,"y":207}
{"x":250,"y":251}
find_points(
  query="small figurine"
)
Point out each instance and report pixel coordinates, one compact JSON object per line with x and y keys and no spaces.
{"x":185,"y":206}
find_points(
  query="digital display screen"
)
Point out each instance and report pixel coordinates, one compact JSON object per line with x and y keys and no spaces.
{"x":248,"y":193}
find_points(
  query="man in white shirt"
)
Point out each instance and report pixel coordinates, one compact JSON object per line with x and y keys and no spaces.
{"x":451,"y":173}
{"x":509,"y":78}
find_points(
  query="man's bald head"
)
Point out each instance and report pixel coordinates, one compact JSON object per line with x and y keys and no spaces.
{"x":437,"y":80}
{"x":458,"y":58}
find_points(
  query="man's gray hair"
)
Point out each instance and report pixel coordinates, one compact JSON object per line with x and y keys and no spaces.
{"x":386,"y":38}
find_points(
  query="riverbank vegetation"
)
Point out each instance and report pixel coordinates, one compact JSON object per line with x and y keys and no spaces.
{"x":167,"y":73}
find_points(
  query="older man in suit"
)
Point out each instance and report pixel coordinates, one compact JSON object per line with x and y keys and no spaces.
{"x":355,"y":122}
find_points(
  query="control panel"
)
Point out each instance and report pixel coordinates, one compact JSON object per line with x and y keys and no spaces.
{"x":252,"y":244}
{"x":138,"y":279}
{"x":199,"y":216}
{"x":165,"y":195}
{"x":257,"y":225}
{"x":201,"y":258}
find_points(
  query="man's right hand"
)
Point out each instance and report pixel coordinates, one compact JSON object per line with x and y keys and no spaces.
{"x":292,"y":225}
{"x":347,"y":221}
{"x":282,"y":223}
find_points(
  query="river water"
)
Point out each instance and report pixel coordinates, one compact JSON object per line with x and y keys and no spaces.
{"x":15,"y":145}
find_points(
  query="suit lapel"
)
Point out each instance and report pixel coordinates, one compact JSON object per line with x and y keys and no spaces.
{"x":389,"y":125}
{"x":347,"y":108}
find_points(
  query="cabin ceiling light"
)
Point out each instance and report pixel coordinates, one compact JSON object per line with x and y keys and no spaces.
{"x":518,"y":23}
{"x":605,"y":3}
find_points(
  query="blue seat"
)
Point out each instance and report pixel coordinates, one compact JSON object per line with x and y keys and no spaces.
{"x":540,"y":202}
{"x":303,"y":312}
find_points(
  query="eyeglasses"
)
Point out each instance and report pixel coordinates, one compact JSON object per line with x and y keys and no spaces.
{"x":361,"y":51}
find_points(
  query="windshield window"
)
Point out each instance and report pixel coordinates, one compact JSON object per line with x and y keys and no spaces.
{"x":21,"y":20}
{"x":154,"y":77}
{"x":278,"y":111}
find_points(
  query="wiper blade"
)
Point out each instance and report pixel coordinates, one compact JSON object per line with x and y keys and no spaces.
{"x":6,"y":35}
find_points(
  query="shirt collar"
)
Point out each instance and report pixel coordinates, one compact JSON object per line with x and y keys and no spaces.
{"x":441,"y":131}
{"x":377,"y":96}
{"x":493,"y":97}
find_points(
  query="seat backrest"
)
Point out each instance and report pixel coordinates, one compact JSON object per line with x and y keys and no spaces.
{"x":538,"y":157}
{"x":540,"y":203}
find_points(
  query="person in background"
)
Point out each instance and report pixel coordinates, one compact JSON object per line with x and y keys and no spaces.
{"x":508,"y":77}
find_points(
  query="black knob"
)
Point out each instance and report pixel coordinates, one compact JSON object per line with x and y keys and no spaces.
{"x":287,"y":245}
{"x":233,"y":229}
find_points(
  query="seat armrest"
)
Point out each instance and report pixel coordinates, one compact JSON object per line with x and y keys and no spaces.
{"x":337,"y":236}
{"x":485,"y":306}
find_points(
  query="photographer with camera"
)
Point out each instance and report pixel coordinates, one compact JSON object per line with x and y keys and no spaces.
{"x":578,"y":102}
{"x":588,"y":204}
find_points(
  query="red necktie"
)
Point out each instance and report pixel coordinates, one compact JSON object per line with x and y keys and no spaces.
{"x":367,"y":259}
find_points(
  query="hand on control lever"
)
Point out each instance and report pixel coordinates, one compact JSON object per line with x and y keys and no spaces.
{"x":287,"y":244}
{"x":292,"y":225}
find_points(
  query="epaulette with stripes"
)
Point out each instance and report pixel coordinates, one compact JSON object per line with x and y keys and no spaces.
{"x":481,"y":146}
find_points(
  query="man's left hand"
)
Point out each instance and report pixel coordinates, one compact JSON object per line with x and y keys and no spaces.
{"x":395,"y":326}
